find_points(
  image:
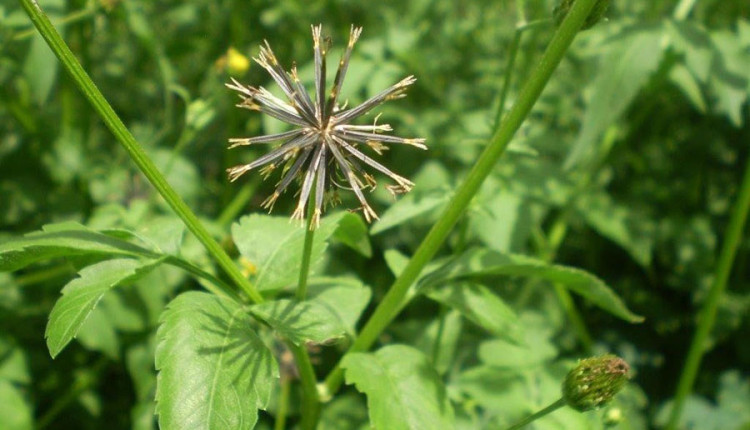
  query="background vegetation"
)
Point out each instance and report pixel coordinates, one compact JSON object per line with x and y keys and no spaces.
{"x":628,"y":168}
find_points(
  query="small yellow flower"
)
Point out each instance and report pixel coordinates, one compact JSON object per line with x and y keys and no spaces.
{"x":237,"y":64}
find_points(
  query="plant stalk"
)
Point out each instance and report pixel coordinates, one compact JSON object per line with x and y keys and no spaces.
{"x":551,"y":408}
{"x":393,"y":301}
{"x":126,"y":139}
{"x":304,"y":270}
{"x":310,"y":396}
{"x":283,"y":408}
{"x":707,"y":315}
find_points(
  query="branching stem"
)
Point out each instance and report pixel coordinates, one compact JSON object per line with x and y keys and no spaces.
{"x":707,"y":315}
{"x":549,"y":409}
{"x":393,"y":301}
{"x":139,"y":156}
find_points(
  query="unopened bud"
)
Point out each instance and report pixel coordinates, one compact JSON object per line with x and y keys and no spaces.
{"x":596,"y":14}
{"x":594,"y":382}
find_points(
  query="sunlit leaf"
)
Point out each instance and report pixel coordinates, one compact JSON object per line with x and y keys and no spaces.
{"x":214,"y":371}
{"x":273,"y":246}
{"x":403,"y":389}
{"x":478,"y":304}
{"x":308,"y":321}
{"x":63,"y":240}
{"x":346,"y":298}
{"x":80,"y":296}
{"x":478,"y":263}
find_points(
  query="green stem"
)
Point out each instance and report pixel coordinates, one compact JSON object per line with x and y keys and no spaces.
{"x":707,"y":315}
{"x":551,"y":408}
{"x":304,"y":270}
{"x":512,"y":55}
{"x":235,"y":207}
{"x":121,"y":133}
{"x":283,"y":408}
{"x":310,"y":396}
{"x":214,"y":282}
{"x":393,"y":300}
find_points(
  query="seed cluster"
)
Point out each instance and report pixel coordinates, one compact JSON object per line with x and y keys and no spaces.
{"x":323,"y":150}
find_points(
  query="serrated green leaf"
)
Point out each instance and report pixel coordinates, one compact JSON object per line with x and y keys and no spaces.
{"x":344,"y":297}
{"x":478,"y":263}
{"x":63,"y":240}
{"x":274,"y":246}
{"x":15,"y":411}
{"x":308,"y":321}
{"x":478,"y":304}
{"x":404,"y":392}
{"x":214,"y":371}
{"x":80,"y":296}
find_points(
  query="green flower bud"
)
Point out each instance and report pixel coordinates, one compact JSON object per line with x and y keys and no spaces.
{"x":596,"y":14}
{"x":594,"y":382}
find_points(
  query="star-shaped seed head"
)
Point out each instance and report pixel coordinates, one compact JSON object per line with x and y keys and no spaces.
{"x":323,"y":150}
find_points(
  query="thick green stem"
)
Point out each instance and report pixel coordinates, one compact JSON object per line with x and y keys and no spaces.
{"x":551,"y":408}
{"x":707,"y":316}
{"x":394,"y":299}
{"x":310,"y":396}
{"x":304,"y":270}
{"x":123,"y":136}
{"x":283,"y":407}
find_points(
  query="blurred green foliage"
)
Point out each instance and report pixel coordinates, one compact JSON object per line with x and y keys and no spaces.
{"x":627,"y":168}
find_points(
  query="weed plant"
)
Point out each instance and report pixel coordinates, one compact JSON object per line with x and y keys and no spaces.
{"x":582,"y":194}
